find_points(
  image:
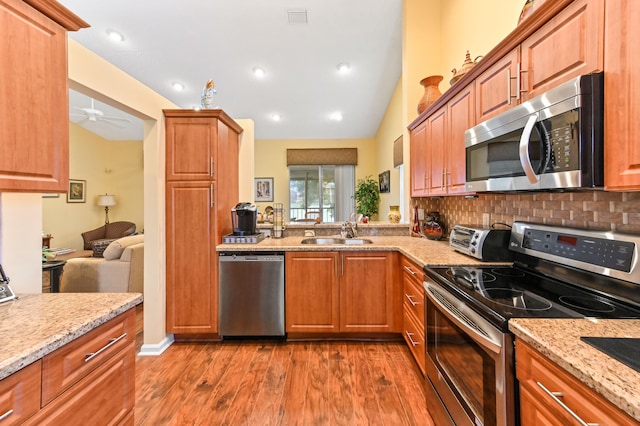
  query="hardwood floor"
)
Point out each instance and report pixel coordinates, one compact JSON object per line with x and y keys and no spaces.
{"x":281,"y":383}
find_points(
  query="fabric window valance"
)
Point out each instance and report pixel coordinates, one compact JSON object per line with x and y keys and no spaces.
{"x":322,"y":156}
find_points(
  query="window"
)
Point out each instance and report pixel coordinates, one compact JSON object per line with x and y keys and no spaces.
{"x":324,"y":192}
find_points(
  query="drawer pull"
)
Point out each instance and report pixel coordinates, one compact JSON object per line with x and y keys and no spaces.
{"x":409,"y":270}
{"x":112,"y":342}
{"x":7,"y":414}
{"x":556,"y":396}
{"x":413,"y":342}
{"x":410,"y":299}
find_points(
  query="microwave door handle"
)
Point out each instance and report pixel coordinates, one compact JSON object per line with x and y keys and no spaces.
{"x":525,"y":161}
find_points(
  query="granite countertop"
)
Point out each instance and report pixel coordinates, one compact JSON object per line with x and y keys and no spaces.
{"x":559,"y":340}
{"x":421,"y":250}
{"x":37,"y":324}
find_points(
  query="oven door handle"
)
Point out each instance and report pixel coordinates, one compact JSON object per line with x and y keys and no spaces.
{"x":477,"y":328}
{"x":525,"y":138}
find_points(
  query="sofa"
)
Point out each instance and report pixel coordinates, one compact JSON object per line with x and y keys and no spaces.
{"x":120,"y":270}
{"x":98,"y":239}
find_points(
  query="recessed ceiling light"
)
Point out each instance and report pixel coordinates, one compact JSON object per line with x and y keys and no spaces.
{"x":115,"y":36}
{"x":336,"y":116}
{"x":276,"y":117}
{"x":258,"y":72}
{"x":343,"y":68}
{"x":177,"y":86}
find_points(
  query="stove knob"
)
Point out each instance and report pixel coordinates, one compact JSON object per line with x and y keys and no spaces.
{"x":473,"y":251}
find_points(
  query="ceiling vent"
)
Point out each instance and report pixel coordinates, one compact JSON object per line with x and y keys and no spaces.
{"x":297,"y":16}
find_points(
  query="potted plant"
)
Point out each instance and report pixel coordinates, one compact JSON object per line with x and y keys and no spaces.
{"x":367,"y":197}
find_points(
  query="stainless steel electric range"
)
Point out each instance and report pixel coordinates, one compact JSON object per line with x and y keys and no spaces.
{"x":556,"y":273}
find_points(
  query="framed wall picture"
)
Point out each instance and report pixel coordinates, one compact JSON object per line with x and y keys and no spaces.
{"x":263,"y":189}
{"x":384,"y":180}
{"x":77,"y":191}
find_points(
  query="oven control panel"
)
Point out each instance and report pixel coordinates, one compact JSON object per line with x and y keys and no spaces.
{"x":602,"y":252}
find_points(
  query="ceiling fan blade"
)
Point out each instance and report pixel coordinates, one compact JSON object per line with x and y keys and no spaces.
{"x":108,"y":117}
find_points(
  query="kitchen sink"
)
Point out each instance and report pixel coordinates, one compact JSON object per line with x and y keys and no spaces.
{"x":336,"y":241}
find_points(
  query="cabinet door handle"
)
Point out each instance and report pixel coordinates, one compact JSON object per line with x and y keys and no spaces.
{"x":211,"y":166}
{"x":408,"y":269}
{"x":413,"y":342}
{"x":112,"y":342}
{"x":519,"y":72}
{"x":508,"y":86}
{"x":410,"y":299}
{"x":211,"y":202}
{"x":556,"y":397}
{"x":7,"y":414}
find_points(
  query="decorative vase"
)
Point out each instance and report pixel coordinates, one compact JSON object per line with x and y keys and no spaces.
{"x":431,"y":92}
{"x":394,"y":214}
{"x":206,"y":98}
{"x":527,"y":10}
{"x":432,"y":228}
{"x":465,"y":68}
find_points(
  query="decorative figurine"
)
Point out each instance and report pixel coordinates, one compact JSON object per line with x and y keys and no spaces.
{"x":206,"y":99}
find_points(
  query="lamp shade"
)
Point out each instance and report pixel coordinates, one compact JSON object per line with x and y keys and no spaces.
{"x":106,"y":200}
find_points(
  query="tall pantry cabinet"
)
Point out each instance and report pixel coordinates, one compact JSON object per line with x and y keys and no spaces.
{"x":201,"y":188}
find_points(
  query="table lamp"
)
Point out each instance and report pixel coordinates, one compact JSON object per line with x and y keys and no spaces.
{"x":106,"y":200}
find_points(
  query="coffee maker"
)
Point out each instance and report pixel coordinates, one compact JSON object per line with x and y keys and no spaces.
{"x":243,"y":218}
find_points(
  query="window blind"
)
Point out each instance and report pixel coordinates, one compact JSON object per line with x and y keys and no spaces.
{"x":322,"y":156}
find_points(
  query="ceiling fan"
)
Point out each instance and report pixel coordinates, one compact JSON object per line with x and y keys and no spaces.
{"x":95,"y":115}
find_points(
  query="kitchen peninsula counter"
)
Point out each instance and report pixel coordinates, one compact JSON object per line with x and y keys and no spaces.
{"x":559,"y":341}
{"x":420,"y":250}
{"x":37,"y":324}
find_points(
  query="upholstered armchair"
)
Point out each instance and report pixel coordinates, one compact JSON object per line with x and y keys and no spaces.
{"x":121,"y":269}
{"x":98,"y":239}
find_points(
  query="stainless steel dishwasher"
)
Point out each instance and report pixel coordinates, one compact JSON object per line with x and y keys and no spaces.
{"x":251,"y":295}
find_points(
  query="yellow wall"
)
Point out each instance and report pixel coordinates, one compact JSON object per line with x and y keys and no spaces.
{"x":113,"y":167}
{"x":389,"y":130}
{"x":271,"y":161}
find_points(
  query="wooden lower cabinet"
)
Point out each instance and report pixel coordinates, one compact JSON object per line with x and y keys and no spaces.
{"x":90,"y":380}
{"x":413,"y":310}
{"x":539,"y":378}
{"x":341,"y":292}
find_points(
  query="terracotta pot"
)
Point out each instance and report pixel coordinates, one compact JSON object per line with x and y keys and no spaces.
{"x":431,"y":92}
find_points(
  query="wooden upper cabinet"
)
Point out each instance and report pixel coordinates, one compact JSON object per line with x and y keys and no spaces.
{"x":196,"y":140}
{"x":568,"y":45}
{"x":622,"y":90}
{"x":418,"y":162}
{"x":461,"y":117}
{"x":437,"y":144}
{"x":34,"y":106}
{"x":495,"y":89}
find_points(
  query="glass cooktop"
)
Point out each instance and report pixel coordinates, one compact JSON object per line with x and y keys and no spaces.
{"x":509,"y":292}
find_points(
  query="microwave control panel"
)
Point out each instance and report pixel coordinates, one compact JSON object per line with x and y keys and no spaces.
{"x":563,"y":140}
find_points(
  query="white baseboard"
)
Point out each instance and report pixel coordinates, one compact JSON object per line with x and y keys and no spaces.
{"x":156,"y":349}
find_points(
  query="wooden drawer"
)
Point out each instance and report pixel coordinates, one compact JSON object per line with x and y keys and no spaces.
{"x":412,"y":290}
{"x":539,"y":377}
{"x":20,"y":395}
{"x":105,"y":396}
{"x":414,"y":336}
{"x":69,"y":364}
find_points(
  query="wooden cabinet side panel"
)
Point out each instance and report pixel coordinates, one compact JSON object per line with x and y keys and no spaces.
{"x":192,"y":270}
{"x":20,"y":393}
{"x":105,"y":397}
{"x":622,"y":90}
{"x":312,"y":292}
{"x":367,"y":298}
{"x":569,"y":45}
{"x":33,"y":66}
{"x":461,"y":117}
{"x":227,"y":178}
{"x":418,"y":161}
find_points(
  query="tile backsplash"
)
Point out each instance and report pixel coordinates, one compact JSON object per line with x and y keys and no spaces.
{"x":615,"y":211}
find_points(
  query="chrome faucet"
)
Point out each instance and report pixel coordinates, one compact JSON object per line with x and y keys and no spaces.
{"x":352,"y":226}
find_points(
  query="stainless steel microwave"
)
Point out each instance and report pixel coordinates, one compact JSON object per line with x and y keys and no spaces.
{"x":553,"y":141}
